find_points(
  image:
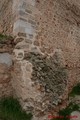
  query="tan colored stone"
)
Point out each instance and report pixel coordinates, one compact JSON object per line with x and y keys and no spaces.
{"x":52,"y":26}
{"x":18,"y":39}
{"x":18,"y":54}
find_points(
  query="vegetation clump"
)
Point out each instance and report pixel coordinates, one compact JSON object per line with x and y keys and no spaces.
{"x":66,"y":112}
{"x":10,"y":109}
{"x":72,"y":106}
{"x":3,"y":36}
{"x":75,"y":90}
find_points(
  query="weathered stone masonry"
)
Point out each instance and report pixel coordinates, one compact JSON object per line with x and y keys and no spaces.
{"x":35,"y":80}
{"x":6,"y":17}
{"x":46,"y":53}
{"x":6,"y":49}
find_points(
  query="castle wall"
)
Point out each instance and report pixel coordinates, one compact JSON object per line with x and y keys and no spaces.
{"x":59,"y":29}
{"x":46,"y":52}
{"x":6,"y":17}
{"x":39,"y":79}
{"x":45,"y":28}
{"x":6,"y":48}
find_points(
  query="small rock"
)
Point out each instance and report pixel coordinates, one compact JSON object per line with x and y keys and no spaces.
{"x":75,"y":115}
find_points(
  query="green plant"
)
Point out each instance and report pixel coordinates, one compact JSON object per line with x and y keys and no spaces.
{"x":2,"y":36}
{"x":10,"y":109}
{"x":72,"y":106}
{"x":4,"y":39}
{"x":75,"y":90}
{"x":67,"y":111}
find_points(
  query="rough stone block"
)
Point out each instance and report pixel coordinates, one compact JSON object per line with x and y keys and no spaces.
{"x":28,"y":41}
{"x":18,"y":54}
{"x":23,"y":45}
{"x":75,"y":115}
{"x":32,"y":22}
{"x":18,"y":39}
{"x":21,"y":26}
{"x":22,"y":34}
{"x":5,"y":58}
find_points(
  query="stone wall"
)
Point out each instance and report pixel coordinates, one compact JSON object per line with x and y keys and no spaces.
{"x":32,"y":83}
{"x":6,"y":48}
{"x":46,"y":52}
{"x":6,"y":17}
{"x":59,"y":28}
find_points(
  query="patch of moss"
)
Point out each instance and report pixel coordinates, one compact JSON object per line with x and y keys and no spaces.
{"x":10,"y":109}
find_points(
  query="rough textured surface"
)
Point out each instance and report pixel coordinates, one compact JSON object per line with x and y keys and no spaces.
{"x":49,"y":76}
{"x":6,"y":44}
{"x":6,"y":59}
{"x":51,"y":30}
{"x":47,"y":28}
{"x":75,"y":113}
{"x":58,"y":28}
{"x":5,"y":80}
{"x":6,"y":18}
{"x":6,"y":47}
